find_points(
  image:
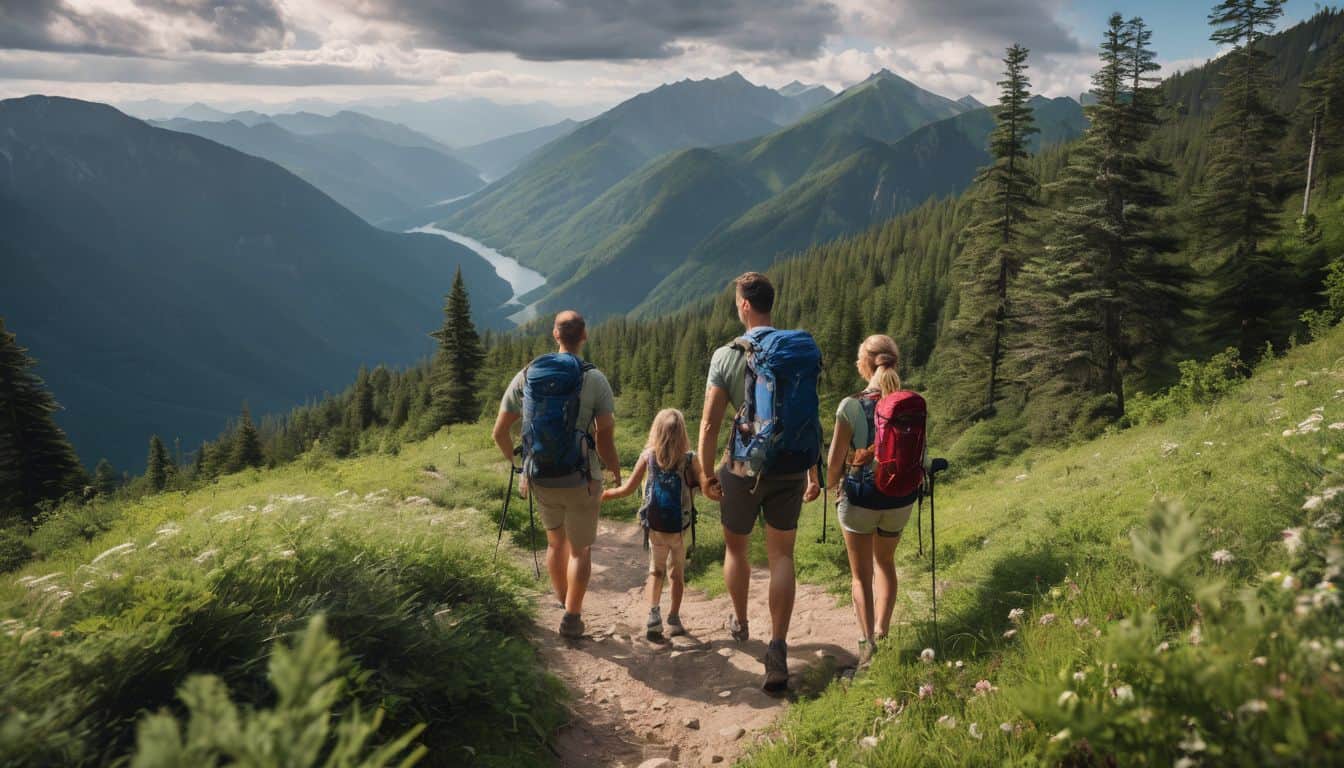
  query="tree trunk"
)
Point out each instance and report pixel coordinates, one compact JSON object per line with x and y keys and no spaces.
{"x":1311,"y":164}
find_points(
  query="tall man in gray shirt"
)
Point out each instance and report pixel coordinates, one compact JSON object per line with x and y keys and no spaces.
{"x":777,"y":498}
{"x":569,"y":514}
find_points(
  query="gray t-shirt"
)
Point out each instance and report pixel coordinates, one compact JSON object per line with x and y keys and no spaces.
{"x":851,"y":412}
{"x":728,"y":369}
{"x":595,"y":399}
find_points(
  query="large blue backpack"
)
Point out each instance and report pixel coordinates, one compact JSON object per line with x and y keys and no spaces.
{"x":555,"y":446}
{"x":777,"y":430}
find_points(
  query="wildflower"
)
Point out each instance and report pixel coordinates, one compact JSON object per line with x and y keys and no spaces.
{"x":1253,"y":707}
{"x":1009,"y":634}
{"x":285,"y":554}
{"x":1163,"y":647}
{"x":56,"y":633}
{"x":1048,"y":618}
{"x":1289,"y":582}
{"x":117,"y":550}
{"x":868,"y":742}
{"x":974,"y":730}
{"x":206,"y":555}
{"x":1260,"y":661}
{"x":1083,"y":622}
{"x":1020,"y":478}
{"x":947,"y":721}
{"x":1061,"y":736}
{"x":925,"y":690}
{"x":1196,"y":637}
{"x":1223,"y":557}
{"x":1312,"y":502}
{"x":1192,"y":743}
{"x":960,"y":664}
{"x":1016,"y":614}
{"x":983,"y":687}
{"x":1123,"y":694}
{"x":1328,"y":520}
{"x":1169,"y":448}
{"x":1067,"y":699}
{"x":1006,"y":727}
{"x":1185,"y":762}
{"x":1275,"y":693}
{"x":1079,"y":677}
{"x":1292,"y":539}
{"x":926,"y":655}
{"x":891,"y":706}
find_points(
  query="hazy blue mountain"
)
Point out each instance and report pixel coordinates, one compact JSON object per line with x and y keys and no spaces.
{"x":375,"y":179}
{"x":461,"y":122}
{"x":161,"y":278}
{"x":523,"y":209}
{"x":347,"y":122}
{"x":808,"y":97}
{"x":497,"y":157}
{"x":970,"y":102}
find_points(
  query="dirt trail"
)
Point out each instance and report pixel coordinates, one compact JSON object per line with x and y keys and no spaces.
{"x":696,"y":700}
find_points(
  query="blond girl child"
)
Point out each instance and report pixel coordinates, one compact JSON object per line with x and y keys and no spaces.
{"x":673,"y":473}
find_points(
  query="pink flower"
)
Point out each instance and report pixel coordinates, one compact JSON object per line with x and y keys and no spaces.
{"x":925,"y":690}
{"x":983,"y":687}
{"x":1048,"y":618}
{"x":1223,"y":557}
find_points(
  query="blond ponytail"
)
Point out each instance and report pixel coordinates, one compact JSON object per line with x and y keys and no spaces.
{"x":885,"y":358}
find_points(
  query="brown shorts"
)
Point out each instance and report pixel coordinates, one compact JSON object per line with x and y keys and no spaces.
{"x":779,"y":498}
{"x":574,"y":509}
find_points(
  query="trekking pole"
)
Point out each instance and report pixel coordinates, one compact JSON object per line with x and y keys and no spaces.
{"x":532,"y":534}
{"x":936,"y":466}
{"x":504,"y":513}
{"x":821,"y":478}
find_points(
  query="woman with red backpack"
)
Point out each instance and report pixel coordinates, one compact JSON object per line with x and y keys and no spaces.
{"x":875,"y":468}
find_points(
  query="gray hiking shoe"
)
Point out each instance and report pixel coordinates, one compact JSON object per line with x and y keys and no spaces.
{"x":674,"y":627}
{"x":866,"y":650}
{"x":654,"y":627}
{"x":738,"y":631}
{"x":571,"y":626}
{"x":776,"y":667}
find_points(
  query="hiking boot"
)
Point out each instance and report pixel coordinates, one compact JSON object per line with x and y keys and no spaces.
{"x":571,"y":626}
{"x":776,"y":667}
{"x":675,"y":629}
{"x":738,"y":631}
{"x":654,"y":627}
{"x":866,"y":651}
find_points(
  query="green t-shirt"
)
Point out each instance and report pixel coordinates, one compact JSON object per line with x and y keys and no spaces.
{"x":595,"y":399}
{"x":851,"y":412}
{"x":728,"y":369}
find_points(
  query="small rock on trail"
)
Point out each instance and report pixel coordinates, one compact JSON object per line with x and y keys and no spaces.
{"x":657,"y":704}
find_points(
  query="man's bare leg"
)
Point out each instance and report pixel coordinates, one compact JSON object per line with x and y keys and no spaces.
{"x":779,"y":551}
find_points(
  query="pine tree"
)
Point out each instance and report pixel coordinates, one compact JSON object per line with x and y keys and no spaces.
{"x":1005,"y":196}
{"x":200,"y":468}
{"x":157,"y":464}
{"x":453,"y":389}
{"x":247,"y":450}
{"x":37,"y":461}
{"x":1237,"y":208}
{"x":104,"y":478}
{"x":1098,"y":294}
{"x":361,"y":404}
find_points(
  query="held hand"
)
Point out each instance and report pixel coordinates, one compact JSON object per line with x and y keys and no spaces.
{"x":522,"y":487}
{"x":610,"y":494}
{"x":711,"y":488}
{"x":812,"y":492}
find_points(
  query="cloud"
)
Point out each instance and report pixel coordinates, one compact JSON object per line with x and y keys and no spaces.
{"x":993,"y":23}
{"x":88,"y":68}
{"x":146,"y":27}
{"x":570,"y":30}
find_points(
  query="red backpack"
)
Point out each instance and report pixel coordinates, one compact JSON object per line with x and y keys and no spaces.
{"x":899,"y":443}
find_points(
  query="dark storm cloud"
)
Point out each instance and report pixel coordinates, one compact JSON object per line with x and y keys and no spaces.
{"x":200,"y":69}
{"x":553,"y":30}
{"x":1029,"y":22}
{"x":225,"y":26}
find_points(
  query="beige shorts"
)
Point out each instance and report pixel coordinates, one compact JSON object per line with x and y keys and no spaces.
{"x":574,"y":509}
{"x":665,"y":547}
{"x":883,"y":522}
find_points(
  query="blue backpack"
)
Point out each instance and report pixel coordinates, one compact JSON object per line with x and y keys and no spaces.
{"x":777,"y":430}
{"x":662,"y":508}
{"x":554,"y":446}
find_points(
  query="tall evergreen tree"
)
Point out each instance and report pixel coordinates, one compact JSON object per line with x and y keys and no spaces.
{"x":104,"y":478}
{"x":200,"y":467}
{"x":453,"y":389}
{"x":1237,"y":208}
{"x":247,"y":450}
{"x":996,"y":248}
{"x":1098,"y":294}
{"x":361,"y":404}
{"x":157,"y":464}
{"x":37,"y":461}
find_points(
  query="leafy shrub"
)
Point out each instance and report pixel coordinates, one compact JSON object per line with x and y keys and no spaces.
{"x":14,"y":548}
{"x":1200,"y":384}
{"x":72,"y":523}
{"x":296,"y":733}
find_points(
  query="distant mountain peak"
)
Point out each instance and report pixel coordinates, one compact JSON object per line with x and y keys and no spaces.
{"x":971,"y":102}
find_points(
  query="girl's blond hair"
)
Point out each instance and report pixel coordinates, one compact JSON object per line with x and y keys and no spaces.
{"x":885,"y":357}
{"x":668,"y":441}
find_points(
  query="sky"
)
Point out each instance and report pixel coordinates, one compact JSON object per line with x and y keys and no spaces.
{"x":567,"y":52}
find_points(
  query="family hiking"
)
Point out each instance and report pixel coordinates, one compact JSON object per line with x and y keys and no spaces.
{"x":773,"y":465}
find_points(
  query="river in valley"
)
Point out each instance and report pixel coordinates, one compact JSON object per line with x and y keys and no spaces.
{"x":522,"y":279}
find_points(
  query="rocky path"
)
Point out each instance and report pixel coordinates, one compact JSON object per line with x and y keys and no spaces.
{"x":696,"y":700}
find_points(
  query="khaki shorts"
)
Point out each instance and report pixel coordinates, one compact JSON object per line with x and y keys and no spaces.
{"x":665,"y":547}
{"x":883,"y":522}
{"x":574,"y":509}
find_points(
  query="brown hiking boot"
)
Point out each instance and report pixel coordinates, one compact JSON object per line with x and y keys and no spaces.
{"x":571,"y":626}
{"x":738,"y":631}
{"x":776,"y":667}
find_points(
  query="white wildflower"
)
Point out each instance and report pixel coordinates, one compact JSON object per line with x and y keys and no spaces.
{"x":1196,"y":636}
{"x":1163,"y":647}
{"x":1192,"y":743}
{"x":1169,"y":448}
{"x":1020,"y":478}
{"x":1009,"y":634}
{"x":868,"y":742}
{"x":1079,"y":677}
{"x":1260,"y":661}
{"x":206,"y":555}
{"x":117,"y":550}
{"x":1006,"y":727}
{"x":1067,"y":699}
{"x":1063,"y":735}
{"x":1301,"y":383}
{"x":1289,"y":582}
{"x":1048,"y":618}
{"x":1123,"y":694}
{"x":1016,"y":614}
{"x":1326,"y":521}
{"x":1081,"y":622}
{"x":947,"y":721}
{"x":926,"y":655}
{"x":1253,"y":707}
{"x":960,"y":664}
{"x":1223,"y":557}
{"x":1185,"y":762}
{"x":925,"y":690}
{"x":285,"y":554}
{"x":974,"y":730}
{"x":1292,"y":539}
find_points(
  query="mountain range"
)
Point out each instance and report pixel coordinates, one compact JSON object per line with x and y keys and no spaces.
{"x":161,"y":278}
{"x":622,"y":226}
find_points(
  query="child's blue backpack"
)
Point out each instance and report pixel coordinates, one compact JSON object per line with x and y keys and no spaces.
{"x":777,"y":430}
{"x":554,"y":446}
{"x":662,"y":509}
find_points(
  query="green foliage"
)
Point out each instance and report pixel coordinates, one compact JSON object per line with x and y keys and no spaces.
{"x":15,"y":551}
{"x":1201,"y":384}
{"x":247,"y":451}
{"x":457,"y":363}
{"x":105,"y":480}
{"x":37,"y":462}
{"x":158,"y":466}
{"x":62,"y":526}
{"x":297,"y":732}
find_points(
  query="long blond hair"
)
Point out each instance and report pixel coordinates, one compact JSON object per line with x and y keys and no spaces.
{"x":882,"y":352}
{"x":668,"y":441}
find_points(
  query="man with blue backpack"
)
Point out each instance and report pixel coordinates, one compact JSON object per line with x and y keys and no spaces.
{"x":568,"y":436}
{"x":770,"y":467}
